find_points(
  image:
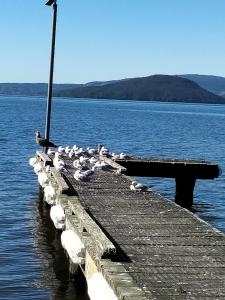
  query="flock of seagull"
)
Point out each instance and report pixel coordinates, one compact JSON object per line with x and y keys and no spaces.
{"x":86,"y":162}
{"x":70,"y":240}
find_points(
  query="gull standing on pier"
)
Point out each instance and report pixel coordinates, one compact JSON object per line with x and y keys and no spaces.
{"x":139,"y":187}
{"x":42,"y":141}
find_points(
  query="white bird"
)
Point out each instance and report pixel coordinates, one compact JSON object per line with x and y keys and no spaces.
{"x":77,"y":164}
{"x":92,"y":151}
{"x":104,"y":151}
{"x":80,"y":151}
{"x":58,"y":163}
{"x":79,"y":176}
{"x":123,"y":155}
{"x":132,"y":187}
{"x":67,"y":149}
{"x":115,"y":156}
{"x":83,"y":159}
{"x":103,"y":293}
{"x":100,"y":165}
{"x":61,"y":149}
{"x":139,"y":187}
{"x":93,"y":160}
{"x":50,"y":151}
{"x":58,"y":216}
{"x":75,"y":148}
{"x":71,"y":154}
{"x":32,"y":161}
{"x":58,"y":155}
{"x":73,"y":245}
{"x":83,"y":175}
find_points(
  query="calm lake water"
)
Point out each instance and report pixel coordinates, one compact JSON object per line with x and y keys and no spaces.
{"x":32,"y":263}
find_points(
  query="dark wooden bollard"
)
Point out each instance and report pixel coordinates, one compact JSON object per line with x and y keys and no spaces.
{"x":185,"y":190}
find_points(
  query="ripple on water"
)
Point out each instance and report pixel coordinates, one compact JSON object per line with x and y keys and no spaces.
{"x":33,"y":264}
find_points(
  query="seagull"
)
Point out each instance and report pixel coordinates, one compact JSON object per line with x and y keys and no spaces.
{"x":139,"y":187}
{"x":50,"y":152}
{"x":92,"y":151}
{"x":100,"y":165}
{"x":92,"y":160}
{"x":115,"y":156}
{"x":83,"y":175}
{"x":58,"y":163}
{"x":42,"y":141}
{"x":104,"y":151}
{"x":123,"y":156}
{"x":61,"y":149}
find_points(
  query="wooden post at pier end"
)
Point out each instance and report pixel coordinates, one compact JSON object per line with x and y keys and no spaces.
{"x":49,"y":99}
{"x":185,"y":190}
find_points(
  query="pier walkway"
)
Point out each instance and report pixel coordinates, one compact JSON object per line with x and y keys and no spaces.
{"x":145,"y":246}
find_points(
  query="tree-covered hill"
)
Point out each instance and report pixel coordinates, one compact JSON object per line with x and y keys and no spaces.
{"x":156,"y":87}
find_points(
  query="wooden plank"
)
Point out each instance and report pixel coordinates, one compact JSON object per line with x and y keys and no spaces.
{"x":162,"y":250}
{"x":106,"y":246}
{"x":63,"y":201}
{"x":121,"y":281}
{"x":155,"y":239}
{"x":45,"y":158}
{"x":62,"y":184}
{"x":169,"y":168}
{"x":120,"y":169}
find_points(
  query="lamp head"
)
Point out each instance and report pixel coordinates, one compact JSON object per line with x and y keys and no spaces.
{"x":50,"y":2}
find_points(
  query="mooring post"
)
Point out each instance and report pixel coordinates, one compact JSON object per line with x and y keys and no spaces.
{"x":185,"y":190}
{"x":50,"y":83}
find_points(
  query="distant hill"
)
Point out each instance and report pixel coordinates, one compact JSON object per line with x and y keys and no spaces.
{"x":156,"y":87}
{"x":214,"y":84}
{"x":32,"y":89}
{"x":182,"y":88}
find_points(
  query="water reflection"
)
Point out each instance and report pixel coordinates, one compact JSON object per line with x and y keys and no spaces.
{"x":55,"y":275}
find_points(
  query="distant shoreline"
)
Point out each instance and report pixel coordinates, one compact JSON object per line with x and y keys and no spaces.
{"x":42,"y":98}
{"x":158,"y":88}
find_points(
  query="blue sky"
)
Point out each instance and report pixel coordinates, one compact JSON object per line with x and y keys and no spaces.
{"x":111,"y":39}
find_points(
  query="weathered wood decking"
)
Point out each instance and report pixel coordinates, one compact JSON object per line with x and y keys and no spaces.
{"x":145,"y":246}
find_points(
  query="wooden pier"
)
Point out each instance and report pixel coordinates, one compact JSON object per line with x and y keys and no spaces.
{"x":145,"y":246}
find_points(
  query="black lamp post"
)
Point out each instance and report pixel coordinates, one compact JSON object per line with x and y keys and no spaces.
{"x":52,"y":3}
